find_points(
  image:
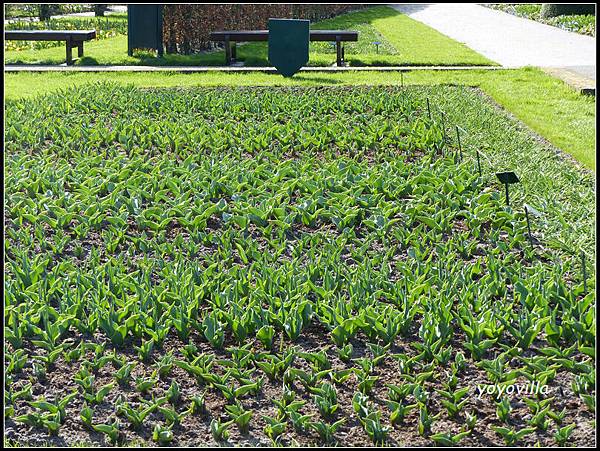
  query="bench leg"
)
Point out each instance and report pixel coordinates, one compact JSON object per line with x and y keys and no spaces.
{"x":227,"y":52}
{"x":233,"y":51}
{"x":80,"y":49}
{"x":69,"y":52}
{"x":338,"y":48}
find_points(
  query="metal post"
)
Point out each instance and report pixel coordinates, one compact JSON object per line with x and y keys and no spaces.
{"x":443,"y":130}
{"x":144,"y":28}
{"x":584,"y":273}
{"x":459,"y":145}
{"x":159,"y":30}
{"x":233,"y":51}
{"x":338,"y":48}
{"x":478,"y":164}
{"x":506,"y":188}
{"x":528,"y":227}
{"x":428,"y":109}
{"x":129,"y":32}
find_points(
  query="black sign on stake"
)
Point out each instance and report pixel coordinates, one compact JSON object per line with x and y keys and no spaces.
{"x":442,"y":115}
{"x":428,"y":109}
{"x":584,"y":273}
{"x":288,"y":44}
{"x":507,"y":178}
{"x":459,"y":145}
{"x":528,"y":225}
{"x":536,"y":214}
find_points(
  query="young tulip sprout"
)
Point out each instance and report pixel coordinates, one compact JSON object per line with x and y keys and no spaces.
{"x":294,"y":266}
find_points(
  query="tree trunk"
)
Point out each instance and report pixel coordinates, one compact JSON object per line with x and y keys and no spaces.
{"x":553,"y":10}
{"x":44,"y":11}
{"x":99,"y":10}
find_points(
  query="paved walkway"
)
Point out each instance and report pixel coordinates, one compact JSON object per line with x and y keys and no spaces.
{"x":509,"y":40}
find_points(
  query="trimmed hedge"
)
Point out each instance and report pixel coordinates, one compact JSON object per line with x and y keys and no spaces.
{"x":186,"y":27}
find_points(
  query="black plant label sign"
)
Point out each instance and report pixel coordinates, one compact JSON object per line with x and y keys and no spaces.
{"x":288,"y":45}
{"x":507,"y":177}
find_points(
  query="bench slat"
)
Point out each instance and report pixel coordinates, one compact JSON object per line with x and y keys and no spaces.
{"x":263,"y":35}
{"x":49,"y":35}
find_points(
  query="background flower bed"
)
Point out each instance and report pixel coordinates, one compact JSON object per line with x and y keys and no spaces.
{"x":578,"y":23}
{"x":108,"y":26}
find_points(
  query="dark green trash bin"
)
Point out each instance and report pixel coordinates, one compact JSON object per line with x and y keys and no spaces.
{"x":144,"y":28}
{"x":288,"y":45}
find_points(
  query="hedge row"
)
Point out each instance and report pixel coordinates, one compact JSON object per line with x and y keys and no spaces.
{"x":186,"y":27}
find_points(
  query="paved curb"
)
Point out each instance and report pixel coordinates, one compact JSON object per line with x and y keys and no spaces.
{"x":190,"y":69}
{"x":575,"y":80}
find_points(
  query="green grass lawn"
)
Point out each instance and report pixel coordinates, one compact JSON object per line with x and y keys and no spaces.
{"x":403,"y":42}
{"x":416,"y":43}
{"x":545,"y":104}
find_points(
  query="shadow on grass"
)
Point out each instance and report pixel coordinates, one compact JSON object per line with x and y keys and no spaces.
{"x":351,"y":18}
{"x":87,"y":61}
{"x":199,"y":59}
{"x":304,"y":78}
{"x":408,"y":8}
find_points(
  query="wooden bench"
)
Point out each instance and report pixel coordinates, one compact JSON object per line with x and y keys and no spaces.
{"x":73,"y":38}
{"x":229,"y":37}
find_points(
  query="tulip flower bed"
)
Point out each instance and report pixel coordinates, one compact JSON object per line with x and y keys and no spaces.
{"x":283,"y":266}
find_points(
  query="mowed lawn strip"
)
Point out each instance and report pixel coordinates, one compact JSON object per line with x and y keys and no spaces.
{"x":403,"y":41}
{"x":418,"y":44}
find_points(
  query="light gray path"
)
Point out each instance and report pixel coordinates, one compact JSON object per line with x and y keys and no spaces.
{"x":111,"y":10}
{"x":506,"y":39}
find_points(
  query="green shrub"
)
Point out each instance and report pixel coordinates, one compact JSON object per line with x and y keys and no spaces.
{"x":583,"y":24}
{"x":106,"y":27}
